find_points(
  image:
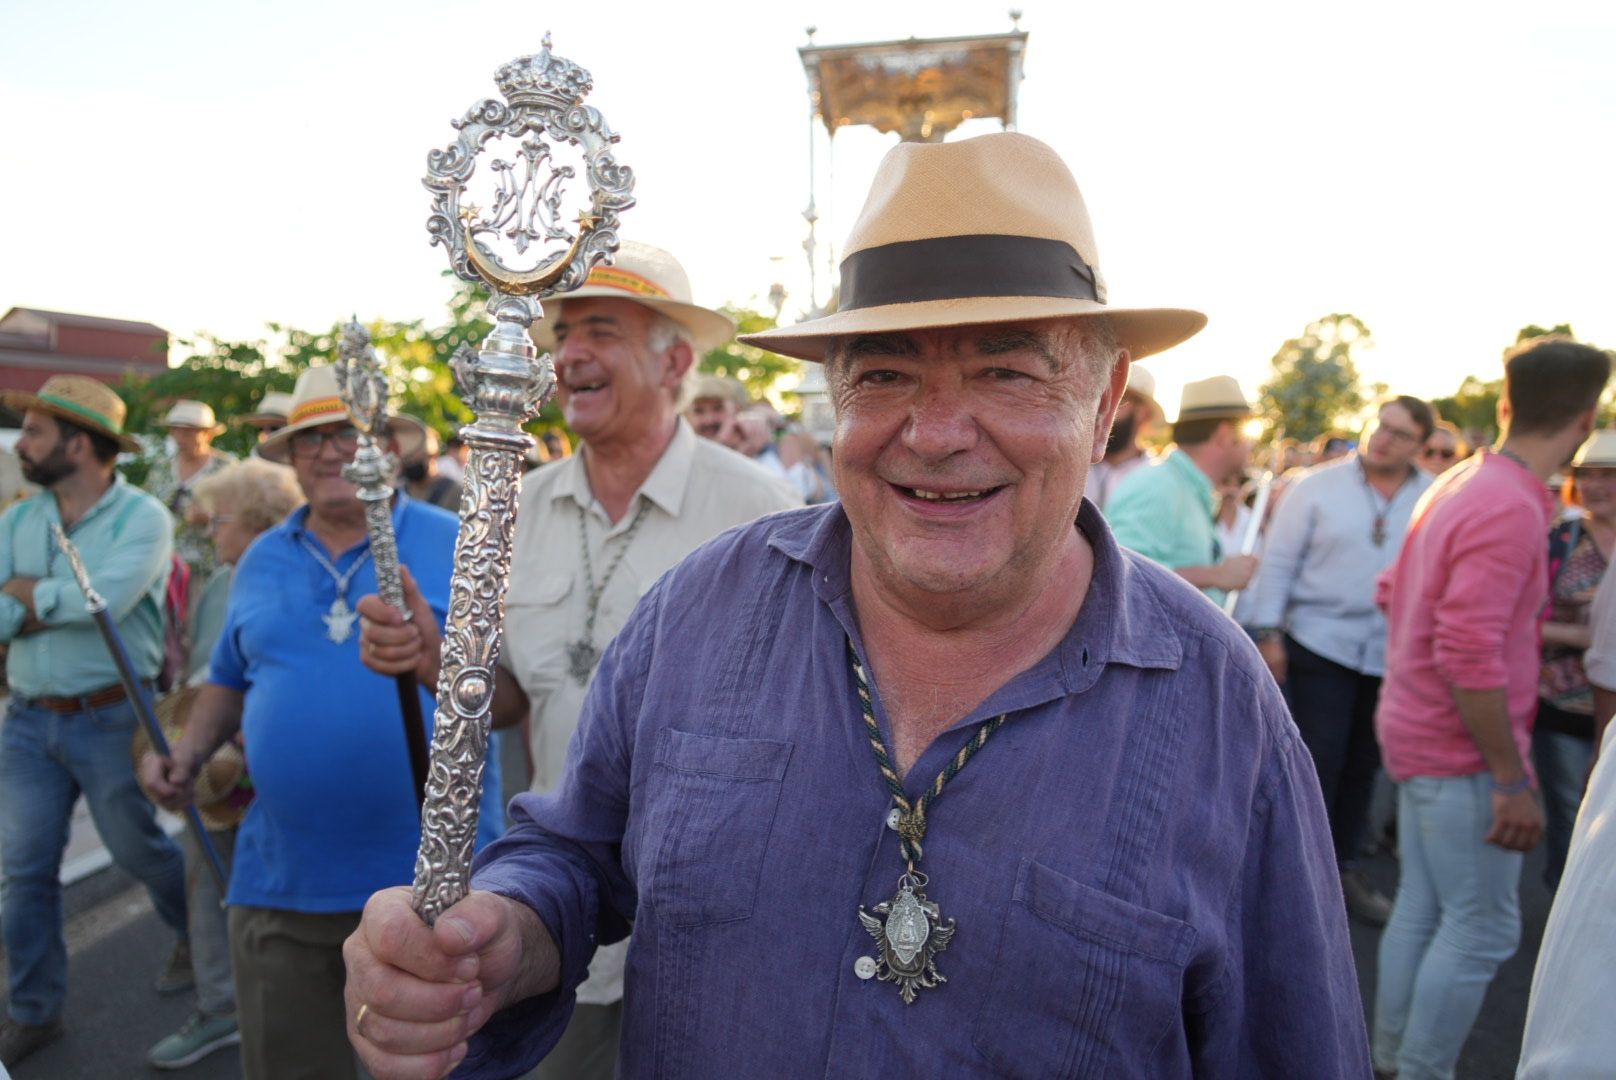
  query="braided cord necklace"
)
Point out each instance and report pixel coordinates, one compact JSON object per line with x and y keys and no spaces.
{"x":583,"y":655}
{"x":909,"y":928}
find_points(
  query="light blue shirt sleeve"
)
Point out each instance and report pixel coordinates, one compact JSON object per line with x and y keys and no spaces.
{"x":12,"y":611}
{"x":123,"y":574}
{"x":1143,"y":515}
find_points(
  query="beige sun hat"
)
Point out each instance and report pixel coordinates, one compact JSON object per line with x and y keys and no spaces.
{"x":192,"y":414}
{"x":272,"y":410}
{"x":1599,"y":452}
{"x":650,"y":276}
{"x":985,"y":230}
{"x":317,"y":400}
{"x":1216,"y":398}
{"x":721,"y":387}
{"x":1142,"y":383}
{"x":78,"y":399}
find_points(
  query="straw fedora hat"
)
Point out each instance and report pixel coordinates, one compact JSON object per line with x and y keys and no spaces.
{"x":192,"y":414}
{"x":1599,"y":452}
{"x":317,"y":400}
{"x":1217,"y":398}
{"x":78,"y":399}
{"x":223,"y":791}
{"x":271,"y":412}
{"x":985,"y":230}
{"x":650,"y":276}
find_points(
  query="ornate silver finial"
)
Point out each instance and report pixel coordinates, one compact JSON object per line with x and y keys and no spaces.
{"x":505,"y":382}
{"x":543,"y":110}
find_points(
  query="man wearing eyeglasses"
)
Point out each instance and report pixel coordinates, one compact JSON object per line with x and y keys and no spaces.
{"x":335,"y":816}
{"x":1337,"y":528}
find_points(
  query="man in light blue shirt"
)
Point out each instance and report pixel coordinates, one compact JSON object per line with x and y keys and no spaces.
{"x":69,"y":724}
{"x":1165,"y":510}
{"x":1319,"y":630}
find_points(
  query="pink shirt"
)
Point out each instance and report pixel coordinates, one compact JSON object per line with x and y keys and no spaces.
{"x":1463,"y":603}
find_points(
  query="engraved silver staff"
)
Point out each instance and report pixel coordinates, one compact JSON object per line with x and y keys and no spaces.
{"x":363,"y":386}
{"x":505,"y":383}
{"x":139,"y":700}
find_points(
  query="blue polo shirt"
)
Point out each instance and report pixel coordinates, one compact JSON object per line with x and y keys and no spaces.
{"x":335,"y":816}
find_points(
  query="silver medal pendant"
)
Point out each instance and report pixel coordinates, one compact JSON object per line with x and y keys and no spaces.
{"x":339,"y":621}
{"x":581,"y":660}
{"x":910,"y":931}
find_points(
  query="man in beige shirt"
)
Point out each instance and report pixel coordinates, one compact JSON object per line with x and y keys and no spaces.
{"x":596,"y":530}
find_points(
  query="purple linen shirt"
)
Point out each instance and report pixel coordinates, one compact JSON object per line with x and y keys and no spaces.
{"x":1138,"y":860}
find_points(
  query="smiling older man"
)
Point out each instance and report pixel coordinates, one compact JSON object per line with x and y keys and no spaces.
{"x":935,"y":781}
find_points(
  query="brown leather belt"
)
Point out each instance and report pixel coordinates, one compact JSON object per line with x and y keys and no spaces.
{"x":110,"y":695}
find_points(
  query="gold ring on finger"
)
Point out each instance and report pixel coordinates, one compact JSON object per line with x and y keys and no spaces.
{"x":360,"y":1018}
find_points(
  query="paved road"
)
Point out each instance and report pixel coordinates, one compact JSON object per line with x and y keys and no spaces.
{"x":116,"y":947}
{"x":113,"y":1016}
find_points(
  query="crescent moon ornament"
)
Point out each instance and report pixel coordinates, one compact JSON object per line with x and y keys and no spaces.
{"x":535,"y":282}
{"x":541,"y":110}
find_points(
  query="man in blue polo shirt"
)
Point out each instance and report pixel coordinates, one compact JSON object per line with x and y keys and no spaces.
{"x":335,"y":816}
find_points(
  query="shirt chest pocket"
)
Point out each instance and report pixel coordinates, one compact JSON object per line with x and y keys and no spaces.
{"x":537,"y":624}
{"x":1083,"y":982}
{"x":710,"y":805}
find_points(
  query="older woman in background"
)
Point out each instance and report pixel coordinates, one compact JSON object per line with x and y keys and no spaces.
{"x":232,"y":506}
{"x":1580,"y":545}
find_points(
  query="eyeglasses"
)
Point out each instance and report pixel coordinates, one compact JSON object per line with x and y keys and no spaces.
{"x":1398,"y":434}
{"x":1446,"y":454}
{"x":308,"y":443}
{"x":215,"y":520}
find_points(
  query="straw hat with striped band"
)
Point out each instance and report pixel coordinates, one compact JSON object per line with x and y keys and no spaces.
{"x":650,"y":276}
{"x":78,"y":399}
{"x":985,"y":230}
{"x":223,"y":791}
{"x":317,"y":400}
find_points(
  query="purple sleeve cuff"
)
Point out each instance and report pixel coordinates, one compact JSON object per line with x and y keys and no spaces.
{"x":530,"y":867}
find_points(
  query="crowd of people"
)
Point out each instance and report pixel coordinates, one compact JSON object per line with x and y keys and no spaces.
{"x":774,"y":720}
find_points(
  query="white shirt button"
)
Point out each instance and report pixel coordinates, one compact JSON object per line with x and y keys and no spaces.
{"x":892,"y":819}
{"x":864,"y":967}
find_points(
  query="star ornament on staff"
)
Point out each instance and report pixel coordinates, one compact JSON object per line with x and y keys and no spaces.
{"x":541,"y":114}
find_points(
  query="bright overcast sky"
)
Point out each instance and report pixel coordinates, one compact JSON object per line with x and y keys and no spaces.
{"x":1443,"y":171}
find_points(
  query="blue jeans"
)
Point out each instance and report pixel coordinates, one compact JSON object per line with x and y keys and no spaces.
{"x":1562,"y":773}
{"x":1456,"y":918}
{"x":46,"y":760}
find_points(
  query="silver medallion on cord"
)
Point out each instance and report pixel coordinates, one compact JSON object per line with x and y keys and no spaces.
{"x":582,"y":656}
{"x":911,"y":932}
{"x":339,"y":620}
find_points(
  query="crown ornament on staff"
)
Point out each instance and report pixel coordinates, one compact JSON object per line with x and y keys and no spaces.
{"x":505,"y":383}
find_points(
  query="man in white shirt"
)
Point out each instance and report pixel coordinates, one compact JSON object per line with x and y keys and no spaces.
{"x":593,"y":532}
{"x":1568,"y":1031}
{"x":1318,"y":628}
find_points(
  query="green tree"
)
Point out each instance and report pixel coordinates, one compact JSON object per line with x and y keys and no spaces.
{"x":1532,"y":330}
{"x":1315,"y":384}
{"x":758,"y":369}
{"x":1473,"y":408}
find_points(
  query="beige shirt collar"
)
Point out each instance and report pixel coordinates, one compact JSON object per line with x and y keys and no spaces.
{"x":665,"y":486}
